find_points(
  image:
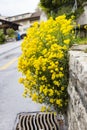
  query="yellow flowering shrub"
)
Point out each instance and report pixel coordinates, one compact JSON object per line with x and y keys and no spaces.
{"x":44,"y":61}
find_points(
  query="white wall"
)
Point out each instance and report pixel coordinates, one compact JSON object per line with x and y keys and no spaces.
{"x":83,"y":18}
{"x":43,"y":17}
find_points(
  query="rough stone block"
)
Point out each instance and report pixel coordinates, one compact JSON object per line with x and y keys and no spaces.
{"x":77,"y":89}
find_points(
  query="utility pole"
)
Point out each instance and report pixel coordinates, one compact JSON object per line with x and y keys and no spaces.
{"x":75,"y":6}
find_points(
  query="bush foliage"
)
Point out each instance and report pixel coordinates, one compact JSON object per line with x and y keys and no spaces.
{"x":10,"y":32}
{"x":44,"y":62}
{"x":55,"y":8}
{"x":2,"y":36}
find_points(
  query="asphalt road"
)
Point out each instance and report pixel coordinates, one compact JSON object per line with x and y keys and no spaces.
{"x":11,"y":100}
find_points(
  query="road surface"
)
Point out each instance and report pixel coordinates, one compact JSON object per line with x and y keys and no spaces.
{"x":11,"y":100}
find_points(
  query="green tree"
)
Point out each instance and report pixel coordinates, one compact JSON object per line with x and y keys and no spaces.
{"x":10,"y":32}
{"x":58,"y":7}
{"x":2,"y":36}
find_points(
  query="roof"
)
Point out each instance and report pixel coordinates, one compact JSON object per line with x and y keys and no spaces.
{"x":36,"y":14}
{"x":33,"y":16}
{"x":17,"y":15}
{"x":8,"y":22}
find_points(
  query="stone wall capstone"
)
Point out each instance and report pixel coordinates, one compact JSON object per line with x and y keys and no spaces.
{"x":77,"y":89}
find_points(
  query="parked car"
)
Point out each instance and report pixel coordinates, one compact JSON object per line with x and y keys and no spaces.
{"x":23,"y":35}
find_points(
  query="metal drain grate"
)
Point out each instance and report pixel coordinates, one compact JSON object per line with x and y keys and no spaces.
{"x":36,"y":121}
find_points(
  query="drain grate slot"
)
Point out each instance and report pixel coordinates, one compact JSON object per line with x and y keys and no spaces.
{"x":36,"y":121}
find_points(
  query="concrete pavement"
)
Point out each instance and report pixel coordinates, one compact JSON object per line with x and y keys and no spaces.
{"x":4,"y":48}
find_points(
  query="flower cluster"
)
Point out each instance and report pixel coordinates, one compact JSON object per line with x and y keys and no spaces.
{"x":44,"y":61}
{"x":85,"y":27}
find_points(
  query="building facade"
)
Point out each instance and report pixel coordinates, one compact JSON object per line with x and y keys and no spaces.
{"x":26,"y":20}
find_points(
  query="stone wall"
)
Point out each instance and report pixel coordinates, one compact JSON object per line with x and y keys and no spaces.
{"x":77,"y":89}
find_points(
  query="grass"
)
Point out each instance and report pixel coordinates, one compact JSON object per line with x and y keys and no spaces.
{"x":85,"y":50}
{"x":82,"y":41}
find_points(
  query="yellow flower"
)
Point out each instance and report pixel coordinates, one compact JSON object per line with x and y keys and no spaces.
{"x":73,"y":32}
{"x":56,"y":69}
{"x":43,"y":108}
{"x":59,"y":102}
{"x":67,"y":41}
{"x":62,"y":88}
{"x":25,"y":93}
{"x":43,"y":78}
{"x":61,"y":74}
{"x":40,"y":100}
{"x":51,"y":92}
{"x":79,"y":25}
{"x":53,"y":76}
{"x":34,"y":97}
{"x":72,"y":17}
{"x":85,"y":27}
{"x":51,"y":71}
{"x":44,"y":68}
{"x":21,"y":80}
{"x":51,"y":100}
{"x":56,"y":82}
{"x":41,"y":88}
{"x":65,"y":47}
{"x":61,"y":68}
{"x":45,"y":91}
{"x":55,"y":113}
